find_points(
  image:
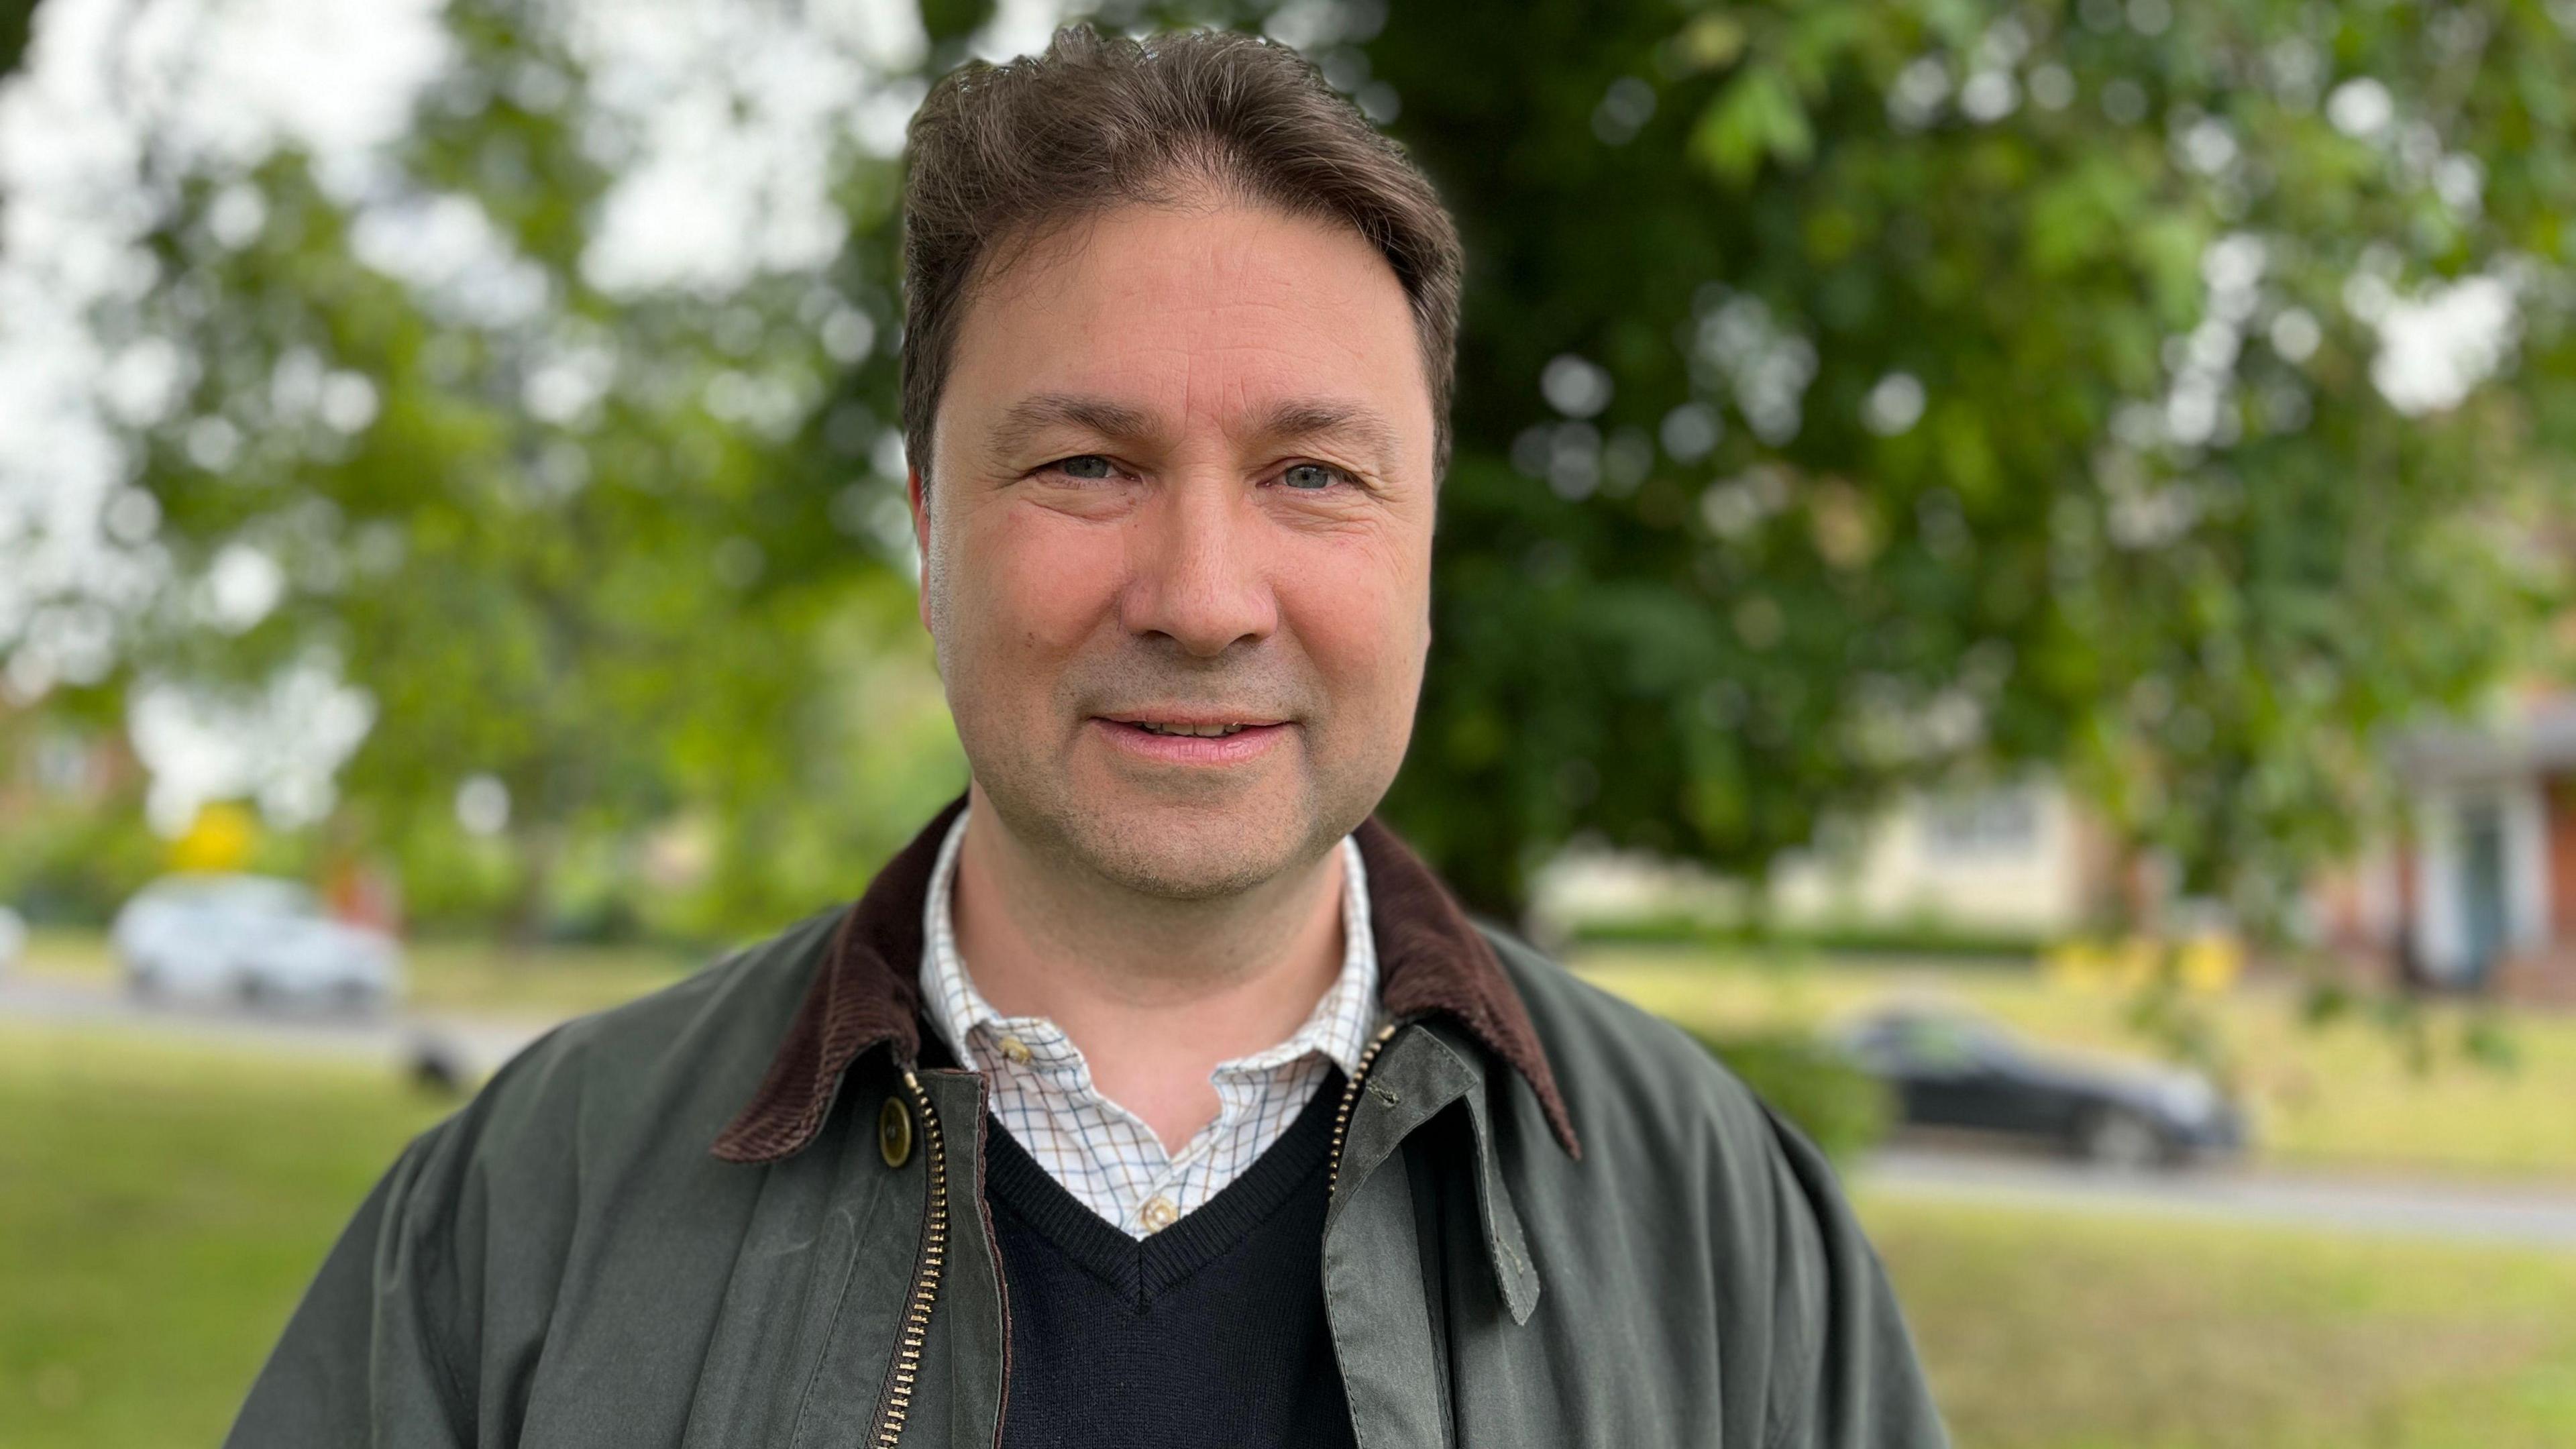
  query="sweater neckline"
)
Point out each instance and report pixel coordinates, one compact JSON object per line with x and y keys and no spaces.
{"x":1139,"y":1268}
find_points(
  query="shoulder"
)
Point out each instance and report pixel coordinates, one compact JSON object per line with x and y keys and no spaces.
{"x":658,"y":1076}
{"x":449,"y":1271}
{"x":1668,"y":1132}
{"x":1687,"y":1161}
{"x":1629,"y":1077}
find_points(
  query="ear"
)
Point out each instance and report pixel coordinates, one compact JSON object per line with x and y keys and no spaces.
{"x":918,"y":495}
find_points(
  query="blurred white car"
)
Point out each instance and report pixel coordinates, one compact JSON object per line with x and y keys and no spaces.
{"x":13,"y":937}
{"x":252,"y":939}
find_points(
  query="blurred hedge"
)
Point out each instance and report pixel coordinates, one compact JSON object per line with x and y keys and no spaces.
{"x":1920,"y":937}
{"x":1808,"y":1081}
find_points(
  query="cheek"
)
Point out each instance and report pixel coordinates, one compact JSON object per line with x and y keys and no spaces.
{"x":1362,"y":615}
{"x":1036,"y":582}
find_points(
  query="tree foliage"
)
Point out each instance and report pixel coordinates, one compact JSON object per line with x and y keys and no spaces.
{"x":2038,"y":340}
{"x":1854,"y":393}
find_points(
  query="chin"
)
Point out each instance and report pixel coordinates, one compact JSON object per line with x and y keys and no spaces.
{"x":1179,"y":836}
{"x":1189,"y":852}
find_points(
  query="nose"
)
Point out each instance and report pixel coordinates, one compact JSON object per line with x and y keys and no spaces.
{"x":1198,"y":571}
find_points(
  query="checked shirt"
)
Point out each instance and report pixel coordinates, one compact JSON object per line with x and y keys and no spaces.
{"x":1041,"y":1091}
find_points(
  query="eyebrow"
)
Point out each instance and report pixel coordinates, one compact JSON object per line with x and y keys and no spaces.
{"x":1300,"y":419}
{"x":1288,"y":421}
{"x":1026,"y":419}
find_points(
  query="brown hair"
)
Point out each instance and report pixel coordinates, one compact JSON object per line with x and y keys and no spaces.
{"x":1006,"y":153}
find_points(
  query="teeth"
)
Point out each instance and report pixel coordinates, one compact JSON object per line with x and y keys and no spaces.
{"x":1205,"y":732}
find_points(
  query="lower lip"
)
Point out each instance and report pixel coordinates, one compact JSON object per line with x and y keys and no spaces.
{"x":1250,"y":742}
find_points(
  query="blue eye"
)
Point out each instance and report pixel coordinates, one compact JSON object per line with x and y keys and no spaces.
{"x":1091,"y":467}
{"x":1307,"y":477}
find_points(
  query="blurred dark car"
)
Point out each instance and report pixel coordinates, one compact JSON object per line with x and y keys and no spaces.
{"x":1952,"y":1071}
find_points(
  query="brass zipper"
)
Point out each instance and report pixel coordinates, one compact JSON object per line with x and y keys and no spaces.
{"x":934,"y":1251}
{"x":1350,"y":1099}
{"x":925,"y":1280}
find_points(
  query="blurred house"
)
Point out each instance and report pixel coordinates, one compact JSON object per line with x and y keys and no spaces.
{"x":2019,"y":859}
{"x":2478,"y":892}
{"x":2017,"y":863}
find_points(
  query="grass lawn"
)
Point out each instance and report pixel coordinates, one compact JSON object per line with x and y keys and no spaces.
{"x":473,"y":977}
{"x":2045,"y":1331}
{"x":82,"y":957}
{"x":162,"y":1205}
{"x":2341,"y":1096}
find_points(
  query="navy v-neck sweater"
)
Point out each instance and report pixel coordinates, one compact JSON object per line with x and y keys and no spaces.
{"x":1210,"y":1332}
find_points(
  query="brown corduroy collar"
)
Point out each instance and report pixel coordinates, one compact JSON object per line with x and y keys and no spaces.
{"x":867,"y":991}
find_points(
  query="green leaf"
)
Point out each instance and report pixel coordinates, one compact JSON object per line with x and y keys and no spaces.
{"x":1757,"y":116}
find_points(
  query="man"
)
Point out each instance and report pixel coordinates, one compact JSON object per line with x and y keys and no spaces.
{"x":1155,"y":1093}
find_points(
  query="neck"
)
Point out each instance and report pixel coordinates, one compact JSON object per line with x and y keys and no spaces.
{"x":1155,"y":992}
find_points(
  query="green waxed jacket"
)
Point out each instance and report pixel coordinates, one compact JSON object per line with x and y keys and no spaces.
{"x":744,"y":1211}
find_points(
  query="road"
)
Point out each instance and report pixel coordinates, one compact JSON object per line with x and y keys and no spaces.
{"x":2334,"y":1201}
{"x":473,"y":1046}
{"x":2410,"y":1206}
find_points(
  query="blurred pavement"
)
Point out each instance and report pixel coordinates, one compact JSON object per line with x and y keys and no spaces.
{"x":475,"y":1047}
{"x":2412,"y":1205}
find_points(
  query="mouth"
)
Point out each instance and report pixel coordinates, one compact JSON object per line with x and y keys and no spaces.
{"x":1195,"y":739}
{"x":1195,"y":731}
{"x":1206,"y":724}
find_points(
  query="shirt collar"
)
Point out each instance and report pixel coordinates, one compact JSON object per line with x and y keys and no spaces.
{"x":1338,"y":1027}
{"x":866,"y":991}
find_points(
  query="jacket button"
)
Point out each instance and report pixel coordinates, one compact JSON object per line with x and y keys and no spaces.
{"x":894,"y":1132}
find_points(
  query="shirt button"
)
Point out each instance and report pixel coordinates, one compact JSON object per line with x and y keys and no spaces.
{"x":1014,"y":1048}
{"x":1158,"y":1213}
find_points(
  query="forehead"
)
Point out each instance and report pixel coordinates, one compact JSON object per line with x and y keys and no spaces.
{"x":1199,"y":315}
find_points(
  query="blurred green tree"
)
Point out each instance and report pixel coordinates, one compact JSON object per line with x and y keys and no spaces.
{"x":595,"y":559}
{"x":1860,"y":393}
{"x":1854,"y":393}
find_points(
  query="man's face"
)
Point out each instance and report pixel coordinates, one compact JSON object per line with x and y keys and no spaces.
{"x":1177,"y":542}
